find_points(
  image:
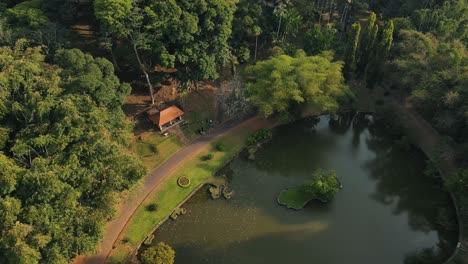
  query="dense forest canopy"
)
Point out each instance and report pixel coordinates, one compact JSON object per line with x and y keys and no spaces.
{"x":62,"y":152}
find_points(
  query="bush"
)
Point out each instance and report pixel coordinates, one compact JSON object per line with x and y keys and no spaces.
{"x":258,"y":136}
{"x":207,"y":157}
{"x":458,"y":182}
{"x":220,"y":147}
{"x":160,"y":254}
{"x":152,"y":207}
{"x":183,"y":182}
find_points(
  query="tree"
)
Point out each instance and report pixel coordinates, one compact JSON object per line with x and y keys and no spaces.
{"x":124,"y":20}
{"x":64,"y":127}
{"x":319,"y":39}
{"x":192,"y":37}
{"x":273,"y":85}
{"x":458,"y":182}
{"x":27,"y":15}
{"x":324,"y":185}
{"x":280,"y":11}
{"x":247,"y":23}
{"x":159,"y":254}
{"x":351,"y":46}
{"x":386,"y":41}
{"x":367,"y":43}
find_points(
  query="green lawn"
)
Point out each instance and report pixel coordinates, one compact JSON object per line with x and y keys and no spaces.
{"x":168,"y":195}
{"x":199,"y":107}
{"x":294,"y":197}
{"x":154,"y":149}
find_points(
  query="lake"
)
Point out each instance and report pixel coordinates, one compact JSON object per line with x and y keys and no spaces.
{"x":387,"y":212}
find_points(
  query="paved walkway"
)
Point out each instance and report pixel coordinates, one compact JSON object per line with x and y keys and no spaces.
{"x":154,"y":178}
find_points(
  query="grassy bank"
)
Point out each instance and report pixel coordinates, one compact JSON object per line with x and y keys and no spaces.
{"x":153,"y":148}
{"x":168,"y":194}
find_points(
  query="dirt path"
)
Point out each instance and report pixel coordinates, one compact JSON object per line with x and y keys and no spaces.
{"x":431,"y":143}
{"x":154,"y":178}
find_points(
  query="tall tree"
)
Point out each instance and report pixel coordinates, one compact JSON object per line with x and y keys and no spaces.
{"x":351,"y":46}
{"x":386,"y":41}
{"x":124,"y":20}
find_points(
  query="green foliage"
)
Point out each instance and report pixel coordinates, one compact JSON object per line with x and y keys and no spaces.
{"x":352,"y":45}
{"x":292,"y":22}
{"x":159,"y":254}
{"x":220,"y":146}
{"x":319,"y":39}
{"x":258,"y":136}
{"x":324,"y":185}
{"x":191,"y":36}
{"x":434,"y":72}
{"x":206,"y":157}
{"x":458,"y":182}
{"x":386,"y":41}
{"x":275,"y":84}
{"x":367,"y":43}
{"x":114,"y":15}
{"x":65,"y":153}
{"x":246,"y":25}
{"x":152,"y":207}
{"x":27,"y":15}
{"x":403,"y":23}
{"x":294,"y":198}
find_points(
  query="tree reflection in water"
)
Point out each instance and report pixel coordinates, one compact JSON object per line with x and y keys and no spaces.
{"x":406,"y":199}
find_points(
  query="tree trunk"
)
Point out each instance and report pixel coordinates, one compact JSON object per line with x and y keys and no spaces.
{"x":114,"y":61}
{"x":279,"y":26}
{"x":256,"y":46}
{"x":142,"y":67}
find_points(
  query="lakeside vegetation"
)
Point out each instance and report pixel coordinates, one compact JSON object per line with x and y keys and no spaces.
{"x":169,"y":195}
{"x":65,"y":142}
{"x":322,"y":187}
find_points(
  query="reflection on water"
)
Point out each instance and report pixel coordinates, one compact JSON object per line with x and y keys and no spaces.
{"x":388,"y":212}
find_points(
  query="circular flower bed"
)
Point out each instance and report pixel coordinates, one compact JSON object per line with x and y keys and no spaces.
{"x":183,"y":182}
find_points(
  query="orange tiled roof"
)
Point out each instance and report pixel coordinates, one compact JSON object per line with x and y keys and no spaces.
{"x":166,"y":115}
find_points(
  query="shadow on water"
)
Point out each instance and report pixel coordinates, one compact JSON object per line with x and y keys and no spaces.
{"x":400,"y":184}
{"x":388,"y":212}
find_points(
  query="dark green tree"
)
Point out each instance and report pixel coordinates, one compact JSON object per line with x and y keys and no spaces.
{"x":319,"y":39}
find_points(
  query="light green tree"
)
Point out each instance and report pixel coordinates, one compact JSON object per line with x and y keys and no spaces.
{"x":162,"y":253}
{"x":275,"y":84}
{"x":324,"y":185}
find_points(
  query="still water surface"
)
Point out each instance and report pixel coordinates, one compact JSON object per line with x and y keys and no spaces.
{"x":388,"y":211}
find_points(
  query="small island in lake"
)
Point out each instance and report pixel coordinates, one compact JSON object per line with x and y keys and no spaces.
{"x":323,"y":187}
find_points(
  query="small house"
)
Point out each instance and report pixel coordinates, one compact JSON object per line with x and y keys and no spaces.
{"x":166,"y":118}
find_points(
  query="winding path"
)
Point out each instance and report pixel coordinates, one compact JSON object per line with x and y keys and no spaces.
{"x":154,"y":178}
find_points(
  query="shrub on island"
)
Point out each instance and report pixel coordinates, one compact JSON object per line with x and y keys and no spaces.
{"x":322,"y":187}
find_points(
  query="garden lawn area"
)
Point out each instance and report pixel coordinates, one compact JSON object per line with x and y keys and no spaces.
{"x":199,"y":107}
{"x":154,"y":149}
{"x":169,"y":195}
{"x":294,"y":197}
